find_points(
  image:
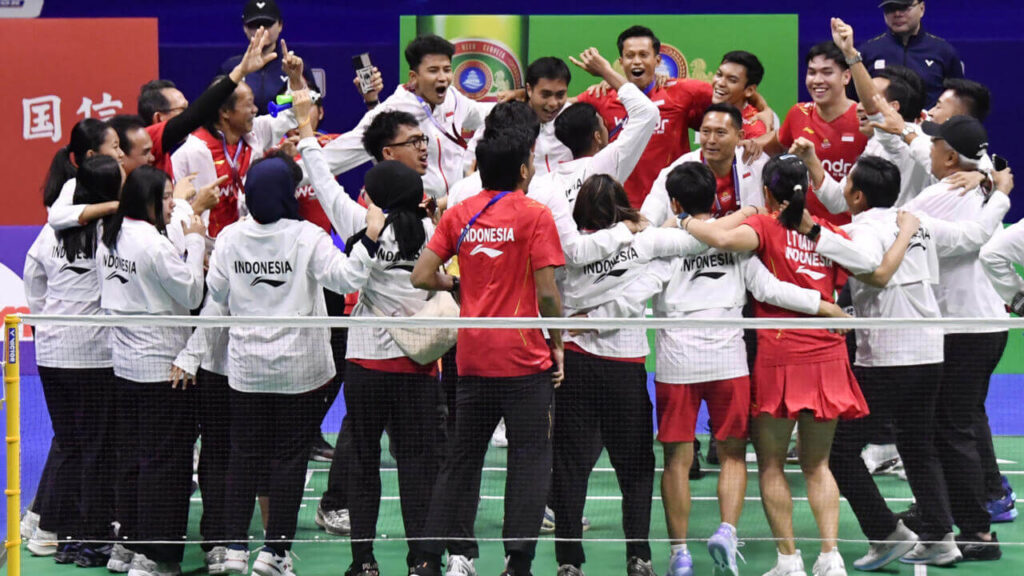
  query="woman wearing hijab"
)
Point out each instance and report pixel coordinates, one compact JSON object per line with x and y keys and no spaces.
{"x":275,"y":264}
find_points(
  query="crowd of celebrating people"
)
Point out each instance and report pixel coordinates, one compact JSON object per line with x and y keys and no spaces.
{"x":539,"y":205}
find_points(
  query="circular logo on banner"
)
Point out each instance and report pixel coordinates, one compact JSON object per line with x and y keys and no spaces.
{"x":484,"y":67}
{"x":473,"y":79}
{"x":673,"y":63}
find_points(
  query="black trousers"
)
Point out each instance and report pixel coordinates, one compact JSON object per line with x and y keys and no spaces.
{"x":905,"y":396}
{"x":44,"y":489}
{"x":165,"y":431}
{"x":602,"y":403}
{"x":525,"y":403}
{"x":405,"y":404}
{"x":215,"y":429}
{"x":463,"y":542}
{"x":336,"y":495}
{"x":81,"y":498}
{"x":126,"y":449}
{"x":269,"y":438}
{"x":963,"y":437}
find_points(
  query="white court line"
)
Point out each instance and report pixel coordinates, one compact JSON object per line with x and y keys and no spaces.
{"x":920,"y":570}
{"x":610,"y":498}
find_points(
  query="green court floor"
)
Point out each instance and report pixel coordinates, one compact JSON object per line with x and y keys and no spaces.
{"x":320,"y":554}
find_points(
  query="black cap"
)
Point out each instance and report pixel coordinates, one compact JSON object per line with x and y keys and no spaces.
{"x":260,"y":10}
{"x":897,"y":3}
{"x":965,"y":134}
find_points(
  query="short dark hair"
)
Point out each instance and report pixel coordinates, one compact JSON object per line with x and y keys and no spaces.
{"x":878,"y":179}
{"x":911,"y":111}
{"x":753,"y":66}
{"x":422,"y":46}
{"x":693,"y":185}
{"x":830,"y":51}
{"x":575,"y":127}
{"x":383,"y":130}
{"x":638,"y":32}
{"x":227,"y":104}
{"x":975,"y":96}
{"x":500,"y":158}
{"x":547,"y":67}
{"x":512,"y":115}
{"x":732,"y":111}
{"x":152,"y":99}
{"x":602,"y":202}
{"x":123,"y":124}
{"x":899,"y":91}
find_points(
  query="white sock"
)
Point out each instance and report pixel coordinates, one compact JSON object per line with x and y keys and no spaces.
{"x":729,"y":526}
{"x":789,"y":557}
{"x":830,"y":553}
{"x":677,"y":548}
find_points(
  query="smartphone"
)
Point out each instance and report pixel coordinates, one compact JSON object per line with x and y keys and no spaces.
{"x":364,"y":70}
{"x":999,"y":163}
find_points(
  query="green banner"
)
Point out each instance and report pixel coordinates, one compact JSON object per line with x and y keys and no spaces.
{"x":492,"y":52}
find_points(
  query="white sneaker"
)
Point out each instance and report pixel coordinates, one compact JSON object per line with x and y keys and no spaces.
{"x":215,"y":558}
{"x":901,"y":541}
{"x":942,"y":553}
{"x":881,"y":458}
{"x":236,"y":561}
{"x":829,"y":564}
{"x":460,"y":566}
{"x":498,"y":438}
{"x":268,"y":563}
{"x":142,"y":566}
{"x":42,"y":543}
{"x":791,"y":565}
{"x":29,"y":523}
{"x":335,"y":522}
{"x":120,"y":559}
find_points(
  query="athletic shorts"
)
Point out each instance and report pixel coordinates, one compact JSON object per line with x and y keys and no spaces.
{"x":728,"y":404}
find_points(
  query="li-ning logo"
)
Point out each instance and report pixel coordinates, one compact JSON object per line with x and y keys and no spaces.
{"x":268,"y":281}
{"x":808,"y":272}
{"x":76,"y":269}
{"x":481,"y":249}
{"x":614,"y":273}
{"x":118,"y":277}
{"x":711,"y":275}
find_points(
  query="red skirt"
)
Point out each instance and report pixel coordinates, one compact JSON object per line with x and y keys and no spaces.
{"x":827,"y":389}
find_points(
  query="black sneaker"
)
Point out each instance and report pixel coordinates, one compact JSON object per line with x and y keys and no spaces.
{"x":639,"y":567}
{"x":66,"y":552}
{"x":695,"y":471}
{"x":93,"y":556}
{"x":365,"y":569}
{"x":912,"y":518}
{"x":425,"y":569}
{"x":979,"y":550}
{"x":321,"y":450}
{"x":712,"y":457}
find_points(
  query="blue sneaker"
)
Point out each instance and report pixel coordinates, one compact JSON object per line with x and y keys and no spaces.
{"x":681,"y":564}
{"x":723,"y":549}
{"x":1002,"y":510}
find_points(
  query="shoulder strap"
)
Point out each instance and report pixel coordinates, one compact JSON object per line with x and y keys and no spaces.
{"x":473,"y":220}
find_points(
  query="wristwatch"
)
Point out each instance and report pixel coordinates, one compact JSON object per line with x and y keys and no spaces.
{"x":813,"y":233}
{"x":850,"y":61}
{"x":908,"y":129}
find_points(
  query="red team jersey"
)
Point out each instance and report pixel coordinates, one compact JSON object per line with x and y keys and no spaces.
{"x":790,"y":256}
{"x":226,"y":210}
{"x":752,"y":127}
{"x":161,"y":155}
{"x":837,"y":143}
{"x":309,"y":207}
{"x":682,"y":104}
{"x":507,"y":243}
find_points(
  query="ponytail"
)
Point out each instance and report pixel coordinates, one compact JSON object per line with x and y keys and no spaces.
{"x":61,"y":170}
{"x":785,"y":177}
{"x":87,"y":135}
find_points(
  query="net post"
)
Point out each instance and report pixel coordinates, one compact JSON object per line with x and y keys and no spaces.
{"x":12,"y":402}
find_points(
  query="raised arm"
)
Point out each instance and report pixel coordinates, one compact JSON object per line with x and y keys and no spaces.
{"x":842,"y":35}
{"x":344,"y":274}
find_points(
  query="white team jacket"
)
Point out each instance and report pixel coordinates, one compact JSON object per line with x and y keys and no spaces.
{"x":278,"y":270}
{"x":909,"y":293}
{"x":998,"y":257}
{"x":146,"y":275}
{"x":55,"y":286}
{"x":658,"y":206}
{"x":445,"y":158}
{"x":965,"y":291}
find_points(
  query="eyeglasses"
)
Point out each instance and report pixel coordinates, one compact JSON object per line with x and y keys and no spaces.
{"x":892,"y":8}
{"x":415,"y":142}
{"x":176,"y":109}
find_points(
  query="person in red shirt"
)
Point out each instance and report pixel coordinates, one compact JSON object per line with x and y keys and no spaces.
{"x":681,"y":103}
{"x":799,"y":375}
{"x":735,"y":83}
{"x":829,"y":120}
{"x":508,"y":250}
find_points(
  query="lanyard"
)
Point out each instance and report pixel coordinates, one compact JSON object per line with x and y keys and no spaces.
{"x":621,"y":123}
{"x":735,"y":184}
{"x":233,"y":162}
{"x":472,"y":220}
{"x":457,"y":138}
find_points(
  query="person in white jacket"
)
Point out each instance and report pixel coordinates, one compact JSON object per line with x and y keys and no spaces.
{"x":74,"y":367}
{"x":737,"y":182}
{"x":142,"y":273}
{"x":275,"y":264}
{"x":998,"y":257}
